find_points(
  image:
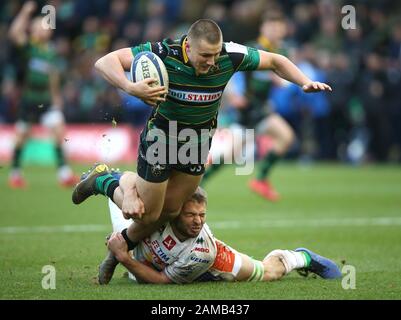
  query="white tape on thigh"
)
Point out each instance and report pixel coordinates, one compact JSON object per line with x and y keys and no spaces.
{"x":237,"y":263}
{"x":52,"y":118}
{"x":22,"y":126}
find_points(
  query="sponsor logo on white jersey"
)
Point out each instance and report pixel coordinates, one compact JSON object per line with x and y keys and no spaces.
{"x":169,"y":242}
{"x":196,"y":259}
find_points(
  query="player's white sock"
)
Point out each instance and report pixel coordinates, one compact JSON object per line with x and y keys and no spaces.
{"x":291,"y":259}
{"x":15,"y":173}
{"x":117,"y":219}
{"x":64,"y":172}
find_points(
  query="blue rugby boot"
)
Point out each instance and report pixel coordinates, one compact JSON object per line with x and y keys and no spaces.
{"x":321,"y":266}
{"x":87,"y":186}
{"x":116,"y":173}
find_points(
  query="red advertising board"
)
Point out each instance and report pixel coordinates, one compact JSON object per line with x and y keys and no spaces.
{"x":104,"y":143}
{"x":84,"y":143}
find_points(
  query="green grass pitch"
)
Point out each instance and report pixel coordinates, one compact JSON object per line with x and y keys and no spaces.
{"x":352,"y":215}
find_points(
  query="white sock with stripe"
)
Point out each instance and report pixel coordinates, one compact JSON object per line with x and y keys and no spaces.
{"x":291,"y":259}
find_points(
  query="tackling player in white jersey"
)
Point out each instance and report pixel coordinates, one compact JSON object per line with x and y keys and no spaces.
{"x":184,"y":250}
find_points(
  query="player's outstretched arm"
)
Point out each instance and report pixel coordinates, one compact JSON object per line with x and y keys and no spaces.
{"x":112,"y":67}
{"x":283,"y":67}
{"x":142,"y":272}
{"x":18,"y":32}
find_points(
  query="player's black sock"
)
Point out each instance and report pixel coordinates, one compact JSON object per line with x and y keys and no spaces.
{"x":106,"y":185}
{"x":131,"y":244}
{"x":59,"y":156}
{"x":16,"y":164}
{"x":113,"y":185}
{"x":267,"y":163}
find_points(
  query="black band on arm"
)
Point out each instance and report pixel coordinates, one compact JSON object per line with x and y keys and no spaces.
{"x":131,"y":244}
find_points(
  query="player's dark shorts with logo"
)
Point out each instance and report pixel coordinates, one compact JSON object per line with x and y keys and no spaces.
{"x":157,"y":159}
{"x":31,"y":113}
{"x":256,"y":112}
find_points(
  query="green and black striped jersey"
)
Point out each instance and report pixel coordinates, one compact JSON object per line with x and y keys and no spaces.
{"x":194,"y":100}
{"x":258,"y":86}
{"x":38,"y":61}
{"x":259,"y":82}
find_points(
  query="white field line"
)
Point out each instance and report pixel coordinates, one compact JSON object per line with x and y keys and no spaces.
{"x":314,"y":223}
{"x":55,"y":229}
{"x":324,"y":222}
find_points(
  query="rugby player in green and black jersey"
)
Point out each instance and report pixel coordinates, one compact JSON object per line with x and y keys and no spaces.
{"x":199,"y":66}
{"x":41,"y":99}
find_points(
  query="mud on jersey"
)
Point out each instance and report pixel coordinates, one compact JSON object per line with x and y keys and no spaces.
{"x":182,"y":262}
{"x":193,"y":100}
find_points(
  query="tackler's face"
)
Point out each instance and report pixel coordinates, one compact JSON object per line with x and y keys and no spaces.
{"x":191,"y":219}
{"x":203,"y":55}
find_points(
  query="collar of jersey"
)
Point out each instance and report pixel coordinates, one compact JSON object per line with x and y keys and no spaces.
{"x":184,"y":52}
{"x":38,"y":44}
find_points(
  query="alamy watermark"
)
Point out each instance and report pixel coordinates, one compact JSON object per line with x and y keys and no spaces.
{"x":349,"y":278}
{"x":49,"y":20}
{"x":49,"y":280}
{"x":190,"y":147}
{"x":349,"y":19}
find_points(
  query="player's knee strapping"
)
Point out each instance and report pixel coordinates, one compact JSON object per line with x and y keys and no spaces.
{"x":290,"y":259}
{"x":258,"y":271}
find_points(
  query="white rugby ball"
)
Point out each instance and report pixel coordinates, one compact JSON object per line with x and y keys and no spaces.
{"x":148,"y":65}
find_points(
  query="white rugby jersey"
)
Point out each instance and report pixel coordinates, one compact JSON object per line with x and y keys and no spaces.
{"x":182,"y":262}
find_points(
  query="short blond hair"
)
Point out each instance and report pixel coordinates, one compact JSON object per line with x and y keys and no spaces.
{"x":207,"y":30}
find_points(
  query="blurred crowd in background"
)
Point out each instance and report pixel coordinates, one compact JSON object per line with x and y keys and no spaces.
{"x":359,"y":121}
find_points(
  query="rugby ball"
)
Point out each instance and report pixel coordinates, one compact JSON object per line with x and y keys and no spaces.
{"x":148,"y":65}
